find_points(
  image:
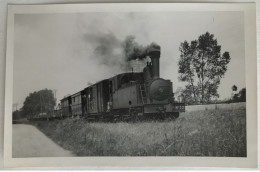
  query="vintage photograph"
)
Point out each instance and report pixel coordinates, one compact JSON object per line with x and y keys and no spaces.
{"x":129,"y":84}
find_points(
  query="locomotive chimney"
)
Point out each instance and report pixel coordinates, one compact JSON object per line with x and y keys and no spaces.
{"x":154,"y":53}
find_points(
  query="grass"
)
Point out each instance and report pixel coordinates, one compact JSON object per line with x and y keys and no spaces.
{"x":220,"y":132}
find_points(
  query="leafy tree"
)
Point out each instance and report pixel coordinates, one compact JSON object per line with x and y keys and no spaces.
{"x":185,"y":95}
{"x":236,"y":98}
{"x":242,"y":94}
{"x":202,"y":65}
{"x":179,"y":94}
{"x":17,"y":114}
{"x":234,"y":88}
{"x":39,"y":102}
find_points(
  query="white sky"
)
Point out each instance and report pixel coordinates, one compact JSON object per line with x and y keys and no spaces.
{"x":53,"y":50}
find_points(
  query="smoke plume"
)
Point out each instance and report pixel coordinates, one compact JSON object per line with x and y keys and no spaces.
{"x":132,"y":50}
{"x":106,"y":48}
{"x":111,"y":51}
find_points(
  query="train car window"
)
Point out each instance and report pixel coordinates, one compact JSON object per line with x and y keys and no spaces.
{"x":110,"y":87}
{"x":117,"y":82}
{"x":90,"y":93}
{"x":115,"y":85}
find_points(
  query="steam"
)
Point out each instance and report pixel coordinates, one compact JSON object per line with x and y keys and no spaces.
{"x":106,"y":48}
{"x":132,"y":50}
{"x":111,"y":51}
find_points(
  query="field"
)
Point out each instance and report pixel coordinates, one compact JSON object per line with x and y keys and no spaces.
{"x":219,"y":132}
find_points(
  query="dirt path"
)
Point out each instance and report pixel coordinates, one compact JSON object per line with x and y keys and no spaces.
{"x":28,"y":141}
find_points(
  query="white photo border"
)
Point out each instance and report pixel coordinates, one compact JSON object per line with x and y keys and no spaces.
{"x":249,"y":10}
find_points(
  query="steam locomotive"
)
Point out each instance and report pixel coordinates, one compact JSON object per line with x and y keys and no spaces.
{"x":131,"y":95}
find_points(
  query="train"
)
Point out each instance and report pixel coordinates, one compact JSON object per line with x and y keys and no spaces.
{"x":126,"y":96}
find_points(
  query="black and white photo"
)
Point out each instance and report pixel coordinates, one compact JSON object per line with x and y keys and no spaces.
{"x":143,"y":82}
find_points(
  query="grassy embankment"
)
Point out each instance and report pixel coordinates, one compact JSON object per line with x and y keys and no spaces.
{"x":220,"y":132}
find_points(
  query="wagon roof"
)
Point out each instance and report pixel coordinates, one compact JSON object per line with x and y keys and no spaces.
{"x":65,"y":97}
{"x":73,"y":95}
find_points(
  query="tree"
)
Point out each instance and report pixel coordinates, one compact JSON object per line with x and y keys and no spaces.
{"x":242,"y":94}
{"x":185,"y":95}
{"x":39,"y":102}
{"x":17,"y":115}
{"x":234,"y":89}
{"x":202,"y":66}
{"x":236,"y":98}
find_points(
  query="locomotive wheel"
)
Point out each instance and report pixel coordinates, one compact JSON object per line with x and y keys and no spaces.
{"x":131,"y":118}
{"x":135,"y":118}
{"x":116,"y":118}
{"x":174,"y":116}
{"x":163,"y":116}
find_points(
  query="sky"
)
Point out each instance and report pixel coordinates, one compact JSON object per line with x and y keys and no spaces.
{"x":57,"y":51}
